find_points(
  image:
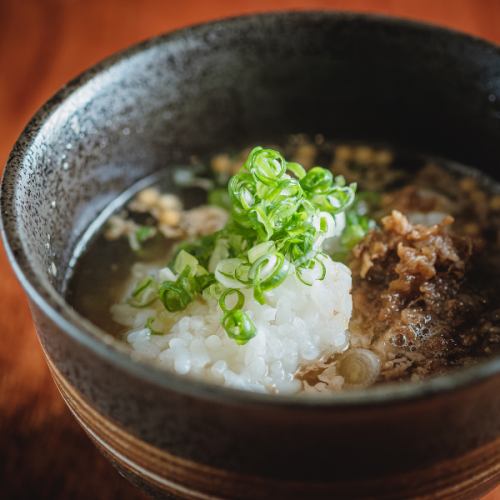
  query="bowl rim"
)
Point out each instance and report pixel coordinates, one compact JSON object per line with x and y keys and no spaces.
{"x":52,"y":304}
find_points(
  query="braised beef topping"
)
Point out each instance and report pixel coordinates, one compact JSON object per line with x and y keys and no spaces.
{"x":416,"y":298}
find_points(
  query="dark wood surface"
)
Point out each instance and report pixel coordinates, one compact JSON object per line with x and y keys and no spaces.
{"x":44,"y":43}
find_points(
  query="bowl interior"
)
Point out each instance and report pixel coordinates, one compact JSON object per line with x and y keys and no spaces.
{"x":233,"y":83}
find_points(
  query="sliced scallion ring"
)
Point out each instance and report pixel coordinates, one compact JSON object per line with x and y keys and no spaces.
{"x":239,"y":326}
{"x":315,"y":270}
{"x":144,"y":294}
{"x":174,"y":297}
{"x":297,"y":169}
{"x":267,"y":165}
{"x":280,"y":215}
{"x":267,"y":273}
{"x":227,"y":294}
{"x":150,"y":326}
{"x":260,"y":250}
{"x":225,"y":273}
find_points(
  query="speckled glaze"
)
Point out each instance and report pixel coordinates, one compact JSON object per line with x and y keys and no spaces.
{"x":222,"y":85}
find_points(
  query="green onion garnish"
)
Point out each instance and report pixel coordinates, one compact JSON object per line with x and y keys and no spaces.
{"x":144,"y":233}
{"x":267,"y":272}
{"x":220,"y":198}
{"x":139,"y":236}
{"x":149,"y":325}
{"x":358,"y":222}
{"x":144,"y":294}
{"x":176,"y":295}
{"x":280,"y":214}
{"x":240,"y":300}
{"x":315,"y":270}
{"x":239,"y":326}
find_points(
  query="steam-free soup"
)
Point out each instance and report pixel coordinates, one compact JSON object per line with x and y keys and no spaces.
{"x":264,"y":272}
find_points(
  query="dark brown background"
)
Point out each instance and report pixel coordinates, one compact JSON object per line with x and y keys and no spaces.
{"x":44,"y":43}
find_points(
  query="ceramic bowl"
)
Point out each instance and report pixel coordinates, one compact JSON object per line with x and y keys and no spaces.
{"x":227,"y":84}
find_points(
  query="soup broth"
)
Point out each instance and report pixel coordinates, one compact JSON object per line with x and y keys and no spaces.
{"x":421,"y":241}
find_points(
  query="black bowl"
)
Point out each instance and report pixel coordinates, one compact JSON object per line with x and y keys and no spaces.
{"x":227,"y":84}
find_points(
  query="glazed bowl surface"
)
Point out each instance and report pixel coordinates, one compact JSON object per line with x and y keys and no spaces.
{"x":223,"y":85}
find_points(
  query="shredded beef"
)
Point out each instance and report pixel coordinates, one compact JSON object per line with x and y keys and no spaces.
{"x":416,"y":301}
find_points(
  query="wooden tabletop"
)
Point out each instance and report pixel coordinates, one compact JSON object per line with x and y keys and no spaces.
{"x":44,"y":43}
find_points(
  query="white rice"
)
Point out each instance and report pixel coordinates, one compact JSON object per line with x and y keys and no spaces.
{"x":297,"y":325}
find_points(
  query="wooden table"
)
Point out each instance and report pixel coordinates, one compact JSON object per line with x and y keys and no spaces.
{"x":44,"y":43}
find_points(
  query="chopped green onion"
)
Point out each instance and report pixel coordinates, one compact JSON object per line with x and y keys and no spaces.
{"x":177,"y":295}
{"x":241,"y":189}
{"x":144,"y":233}
{"x":225,"y":273}
{"x":174,"y":297}
{"x":284,"y":190}
{"x":204,"y":281}
{"x":314,"y":266}
{"x":358,"y":222}
{"x":220,"y":252}
{"x":325,"y":224}
{"x":220,"y":198}
{"x":260,"y":250}
{"x":297,"y":169}
{"x":318,"y":181}
{"x":266,"y":165}
{"x":280,"y":215}
{"x":239,"y":326}
{"x":149,"y":326}
{"x":183,"y":260}
{"x":357,"y":226}
{"x":267,"y":273}
{"x":201,"y":249}
{"x":144,"y":294}
{"x":241,"y":273}
{"x":213,"y":291}
{"x":240,"y":300}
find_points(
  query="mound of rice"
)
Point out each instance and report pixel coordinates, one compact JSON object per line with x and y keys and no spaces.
{"x":298,"y":324}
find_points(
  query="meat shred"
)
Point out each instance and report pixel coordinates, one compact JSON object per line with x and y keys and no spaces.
{"x":415,"y":301}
